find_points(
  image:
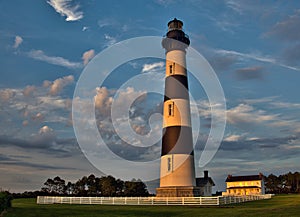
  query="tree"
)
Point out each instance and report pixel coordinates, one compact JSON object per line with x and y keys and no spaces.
{"x":283,"y":184}
{"x":70,"y":188}
{"x":91,"y":185}
{"x":272,"y":183}
{"x":54,"y":186}
{"x":119,"y":187}
{"x":108,"y":186}
{"x":59,"y":185}
{"x":135,"y":188}
{"x":81,"y":187}
{"x":297,"y":177}
{"x":49,"y":186}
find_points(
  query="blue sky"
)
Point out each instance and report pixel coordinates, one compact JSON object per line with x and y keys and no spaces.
{"x":253,"y":46}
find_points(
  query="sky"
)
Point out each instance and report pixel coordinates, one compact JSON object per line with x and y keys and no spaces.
{"x":46,"y":45}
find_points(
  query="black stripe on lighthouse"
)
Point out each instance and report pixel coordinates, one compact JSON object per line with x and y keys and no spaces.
{"x":176,"y":87}
{"x":177,"y":140}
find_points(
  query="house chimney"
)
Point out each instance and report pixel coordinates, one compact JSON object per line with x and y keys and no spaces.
{"x":205,"y":174}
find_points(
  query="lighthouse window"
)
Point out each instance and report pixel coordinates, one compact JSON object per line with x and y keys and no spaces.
{"x":171,"y":109}
{"x":169,"y":164}
{"x":172,"y":68}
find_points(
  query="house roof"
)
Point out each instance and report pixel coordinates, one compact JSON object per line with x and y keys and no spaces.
{"x":201,"y":182}
{"x":243,"y":187}
{"x":231,"y":178}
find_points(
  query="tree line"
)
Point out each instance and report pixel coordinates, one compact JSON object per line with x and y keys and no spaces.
{"x":104,"y":186}
{"x":283,"y":184}
{"x":109,"y":186}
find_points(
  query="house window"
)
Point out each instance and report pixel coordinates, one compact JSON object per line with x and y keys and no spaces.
{"x":171,"y":109}
{"x":169,"y":164}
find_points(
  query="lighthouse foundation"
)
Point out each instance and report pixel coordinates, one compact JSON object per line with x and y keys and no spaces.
{"x":178,"y":191}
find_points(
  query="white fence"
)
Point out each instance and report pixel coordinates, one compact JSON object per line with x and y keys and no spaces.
{"x":202,"y":201}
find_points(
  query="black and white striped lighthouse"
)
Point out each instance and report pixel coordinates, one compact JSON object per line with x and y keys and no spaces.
{"x":177,"y":170}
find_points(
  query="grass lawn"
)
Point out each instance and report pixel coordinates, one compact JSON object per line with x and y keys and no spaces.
{"x":281,"y":205}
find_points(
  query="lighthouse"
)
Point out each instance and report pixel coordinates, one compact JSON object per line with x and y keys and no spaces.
{"x":177,"y":168}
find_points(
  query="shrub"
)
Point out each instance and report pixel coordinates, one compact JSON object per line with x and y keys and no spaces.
{"x":5,"y":200}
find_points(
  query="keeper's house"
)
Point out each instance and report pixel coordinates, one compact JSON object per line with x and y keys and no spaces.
{"x":205,"y":183}
{"x":245,"y":185}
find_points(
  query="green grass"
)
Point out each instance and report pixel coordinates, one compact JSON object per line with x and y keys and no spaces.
{"x":282,"y":205}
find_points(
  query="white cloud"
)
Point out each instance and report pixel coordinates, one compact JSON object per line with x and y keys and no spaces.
{"x":18,"y":41}
{"x":45,"y":129}
{"x":46,"y":83}
{"x":38,"y":117}
{"x":57,"y":85}
{"x":28,"y":90}
{"x":64,"y":8}
{"x":85,"y":28}
{"x":55,"y":60}
{"x":126,"y":95}
{"x":153,"y":66}
{"x":55,"y":102}
{"x":7,"y":94}
{"x":25,"y":123}
{"x":233,"y":138}
{"x":247,"y":114}
{"x":242,"y":114}
{"x":31,"y":106}
{"x":87,"y":56}
{"x":103,"y":100}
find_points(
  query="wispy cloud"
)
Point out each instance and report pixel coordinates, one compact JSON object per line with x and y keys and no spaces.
{"x":18,"y":41}
{"x":255,"y":72}
{"x":164,"y":3}
{"x":110,"y":39}
{"x":255,"y":57}
{"x":289,"y":105}
{"x":65,"y":8}
{"x":55,"y":60}
{"x":235,"y":6}
{"x":287,"y":29}
{"x":108,"y":22}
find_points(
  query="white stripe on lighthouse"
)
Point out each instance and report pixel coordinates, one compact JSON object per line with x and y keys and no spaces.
{"x":176,"y":113}
{"x":177,"y":170}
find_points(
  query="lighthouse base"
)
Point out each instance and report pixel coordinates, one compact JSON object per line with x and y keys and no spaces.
{"x":178,"y":191}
